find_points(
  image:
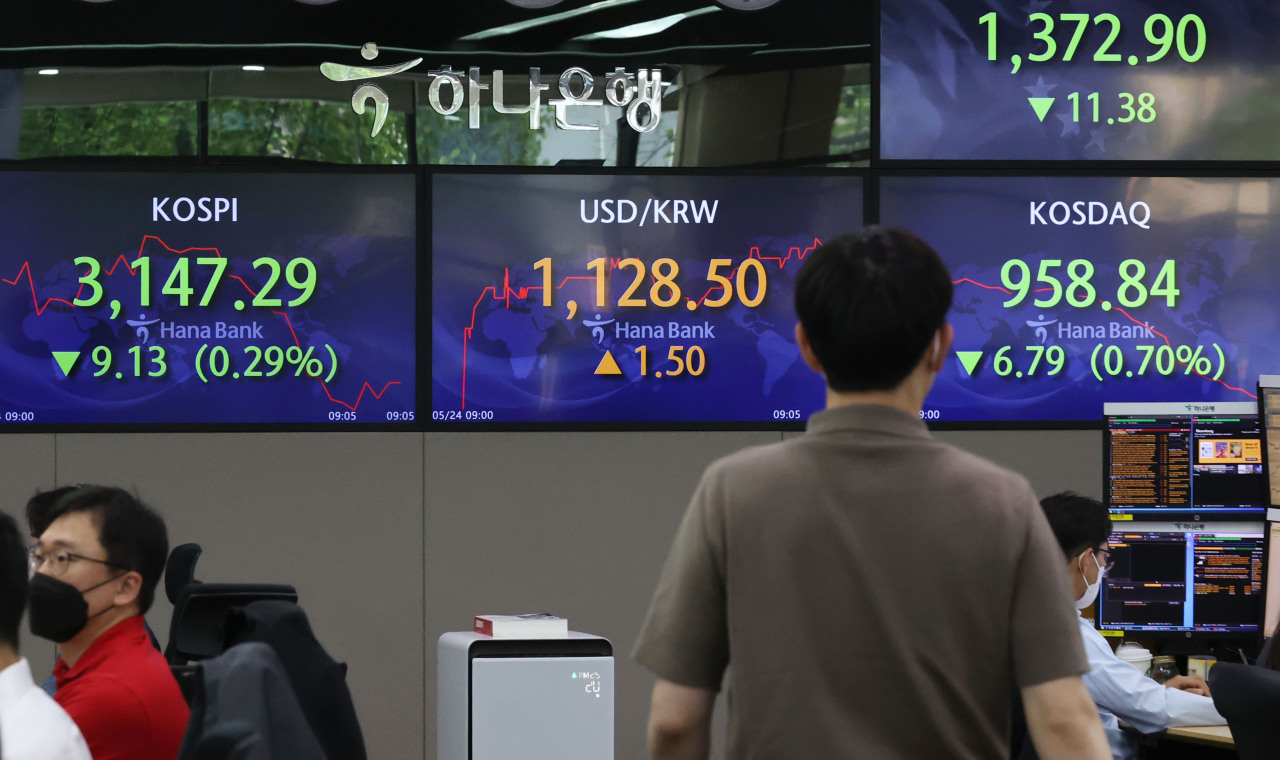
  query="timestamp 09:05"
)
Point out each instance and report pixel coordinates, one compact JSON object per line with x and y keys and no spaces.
{"x":339,"y":415}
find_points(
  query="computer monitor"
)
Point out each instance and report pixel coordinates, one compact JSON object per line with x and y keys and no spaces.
{"x":1171,"y":580}
{"x":1269,"y":408}
{"x":1176,"y":461}
{"x":1271,"y":615}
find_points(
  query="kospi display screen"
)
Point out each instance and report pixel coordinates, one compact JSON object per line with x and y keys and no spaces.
{"x":1079,"y":79}
{"x":625,"y":300}
{"x":199,"y":298}
{"x":1071,"y":291}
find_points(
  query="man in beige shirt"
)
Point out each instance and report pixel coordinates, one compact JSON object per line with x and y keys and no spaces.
{"x":874,"y":589}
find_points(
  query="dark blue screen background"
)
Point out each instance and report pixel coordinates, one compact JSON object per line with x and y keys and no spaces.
{"x":358,"y":230}
{"x":941,"y":98}
{"x":1221,"y":233}
{"x":527,"y":363}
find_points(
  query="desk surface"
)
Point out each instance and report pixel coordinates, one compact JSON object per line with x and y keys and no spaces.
{"x":1214,"y":736}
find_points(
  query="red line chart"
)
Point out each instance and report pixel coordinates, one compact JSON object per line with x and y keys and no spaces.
{"x":107,"y":272}
{"x":1130,"y":317}
{"x":505,"y":293}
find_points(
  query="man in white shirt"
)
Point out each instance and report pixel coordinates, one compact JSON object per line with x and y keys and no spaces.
{"x":32,"y":725}
{"x":1082,"y":527}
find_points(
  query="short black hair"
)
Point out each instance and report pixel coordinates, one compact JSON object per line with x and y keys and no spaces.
{"x":38,"y":508}
{"x":13,"y":580}
{"x":870,"y":302}
{"x":1078,"y":522}
{"x":132,"y":533}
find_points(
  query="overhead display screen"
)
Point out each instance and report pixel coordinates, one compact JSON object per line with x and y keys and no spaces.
{"x":1079,"y":79}
{"x":1075,"y":291}
{"x":185,"y":298}
{"x":603,"y":300}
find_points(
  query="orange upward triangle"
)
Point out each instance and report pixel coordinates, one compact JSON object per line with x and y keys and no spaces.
{"x":607,"y":365}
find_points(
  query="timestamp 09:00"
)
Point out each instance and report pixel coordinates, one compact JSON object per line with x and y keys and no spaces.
{"x":462,"y":415}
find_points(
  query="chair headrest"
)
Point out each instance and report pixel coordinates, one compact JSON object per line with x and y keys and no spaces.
{"x":180,"y":570}
{"x":199,"y":626}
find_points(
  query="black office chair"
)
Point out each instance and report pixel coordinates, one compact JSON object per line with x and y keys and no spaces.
{"x":318,"y":681}
{"x":244,"y":708}
{"x":198,"y":627}
{"x":232,"y":740}
{"x":1249,"y":698}
{"x":180,"y":569}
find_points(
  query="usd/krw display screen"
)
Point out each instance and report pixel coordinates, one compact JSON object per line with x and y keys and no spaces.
{"x":167,"y":298}
{"x":649,"y":300}
{"x":1079,"y":79}
{"x":1075,"y":291}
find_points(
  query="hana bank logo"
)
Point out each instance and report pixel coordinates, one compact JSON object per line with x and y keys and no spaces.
{"x":638,"y":94}
{"x":1041,"y":327}
{"x":1202,"y":408}
{"x":365,"y":92}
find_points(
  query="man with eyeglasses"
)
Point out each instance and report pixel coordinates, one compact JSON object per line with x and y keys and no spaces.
{"x":1083,"y":527}
{"x":97,"y":559}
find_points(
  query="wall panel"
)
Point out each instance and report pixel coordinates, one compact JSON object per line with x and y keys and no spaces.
{"x":577,"y":524}
{"x":338,"y":515}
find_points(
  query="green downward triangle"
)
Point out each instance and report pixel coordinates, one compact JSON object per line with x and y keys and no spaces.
{"x":969,"y":359}
{"x":66,"y":360}
{"x":1041,"y":106}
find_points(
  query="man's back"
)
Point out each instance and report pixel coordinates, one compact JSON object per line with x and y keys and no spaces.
{"x":878,"y":591}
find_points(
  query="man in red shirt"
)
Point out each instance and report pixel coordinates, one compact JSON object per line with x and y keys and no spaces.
{"x":98,"y":557}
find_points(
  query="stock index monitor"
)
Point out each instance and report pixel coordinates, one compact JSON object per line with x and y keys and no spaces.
{"x":1073,"y":291}
{"x":625,"y":300}
{"x":199,"y":298}
{"x":1079,"y":79}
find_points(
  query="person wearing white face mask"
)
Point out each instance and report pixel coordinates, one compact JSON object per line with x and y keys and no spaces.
{"x":1082,"y":527}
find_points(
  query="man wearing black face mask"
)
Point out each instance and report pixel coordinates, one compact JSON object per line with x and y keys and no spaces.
{"x":95,"y":565}
{"x":1083,"y":527}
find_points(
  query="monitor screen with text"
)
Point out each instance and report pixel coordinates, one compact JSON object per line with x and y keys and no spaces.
{"x":1183,"y":461}
{"x":1184,"y":578}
